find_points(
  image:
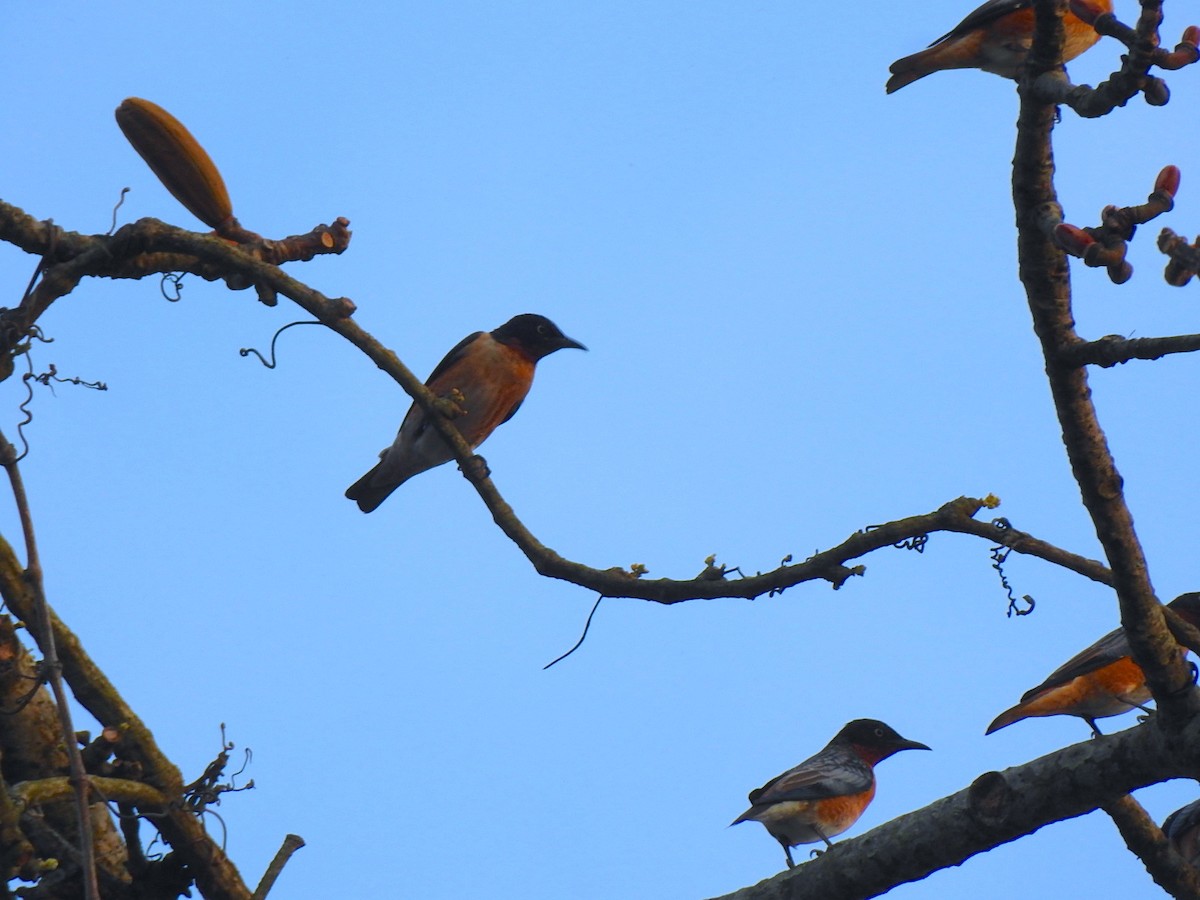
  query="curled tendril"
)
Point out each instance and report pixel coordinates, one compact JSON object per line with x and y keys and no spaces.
{"x":916,"y":542}
{"x":246,"y":351}
{"x":120,"y":203}
{"x":999,"y":554}
{"x":24,"y":699}
{"x":578,"y":643}
{"x":174,"y":293}
{"x":51,"y":375}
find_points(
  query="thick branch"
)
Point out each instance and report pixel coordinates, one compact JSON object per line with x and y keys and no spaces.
{"x":216,"y":876}
{"x":998,"y":807}
{"x":1046,"y":277}
{"x":49,"y":790}
{"x":148,"y":247}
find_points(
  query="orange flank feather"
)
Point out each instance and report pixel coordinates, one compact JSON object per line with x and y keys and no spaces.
{"x":1109,"y":691}
{"x":1101,"y":681}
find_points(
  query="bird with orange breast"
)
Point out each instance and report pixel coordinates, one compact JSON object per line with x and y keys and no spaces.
{"x":825,"y":794}
{"x":996,"y":38}
{"x":1101,"y":681}
{"x":490,"y":373}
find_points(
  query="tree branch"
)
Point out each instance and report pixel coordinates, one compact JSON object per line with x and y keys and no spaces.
{"x":136,"y":249}
{"x":1114,"y":349}
{"x":1143,"y":838}
{"x":49,"y":790}
{"x":1046,"y":277}
{"x":1051,"y":85}
{"x":44,"y":635}
{"x":214,"y":873}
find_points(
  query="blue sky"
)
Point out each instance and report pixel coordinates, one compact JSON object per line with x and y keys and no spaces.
{"x":803,"y":316}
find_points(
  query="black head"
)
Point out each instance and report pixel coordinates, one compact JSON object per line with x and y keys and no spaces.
{"x":874,"y":739}
{"x":534,"y":334}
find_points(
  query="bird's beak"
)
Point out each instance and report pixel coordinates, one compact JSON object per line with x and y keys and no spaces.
{"x":566,"y":343}
{"x":906,"y":744}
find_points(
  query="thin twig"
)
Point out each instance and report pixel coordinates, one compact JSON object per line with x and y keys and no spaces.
{"x":53,"y":668}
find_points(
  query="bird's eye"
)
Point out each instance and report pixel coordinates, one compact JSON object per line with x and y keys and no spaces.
{"x":878,"y":732}
{"x":542,"y":330}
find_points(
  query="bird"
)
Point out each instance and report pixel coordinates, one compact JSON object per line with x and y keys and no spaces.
{"x":487,"y":374}
{"x":1098,"y":682}
{"x":996,"y":38}
{"x":1182,"y":829}
{"x":824,"y":795}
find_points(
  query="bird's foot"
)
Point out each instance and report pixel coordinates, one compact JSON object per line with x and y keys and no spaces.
{"x":450,"y":405}
{"x":476,"y":467}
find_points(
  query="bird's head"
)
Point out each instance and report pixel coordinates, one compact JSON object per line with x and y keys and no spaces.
{"x":874,"y":740}
{"x":535,"y":335}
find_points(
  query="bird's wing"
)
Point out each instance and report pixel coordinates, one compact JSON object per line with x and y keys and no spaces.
{"x":512,"y":412}
{"x":1182,"y":820}
{"x":825,"y":775}
{"x":1108,"y":649}
{"x":988,"y":12}
{"x":455,"y":354}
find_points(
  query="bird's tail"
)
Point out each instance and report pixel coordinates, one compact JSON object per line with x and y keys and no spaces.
{"x":1016,"y":714}
{"x":944,"y":54}
{"x":369,"y":491}
{"x":906,"y":71}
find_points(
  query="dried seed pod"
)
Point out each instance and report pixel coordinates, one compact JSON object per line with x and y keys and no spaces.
{"x":177,"y":159}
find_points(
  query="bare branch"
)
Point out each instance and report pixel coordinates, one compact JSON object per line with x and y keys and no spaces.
{"x":1114,"y":349}
{"x":1051,"y":85}
{"x":149,"y":242}
{"x":1046,"y":277}
{"x":44,"y":635}
{"x":49,"y":790}
{"x":215,"y":875}
{"x":1143,"y":838}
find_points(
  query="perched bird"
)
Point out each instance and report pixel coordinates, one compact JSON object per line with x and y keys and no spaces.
{"x":825,"y":794}
{"x":1101,"y":681}
{"x":996,"y":38}
{"x":491,"y":372}
{"x":1182,"y":829}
